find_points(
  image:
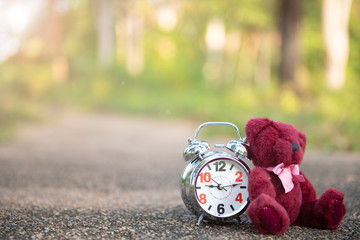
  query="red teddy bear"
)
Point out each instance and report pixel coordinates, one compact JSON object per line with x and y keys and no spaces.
{"x":279,"y":192}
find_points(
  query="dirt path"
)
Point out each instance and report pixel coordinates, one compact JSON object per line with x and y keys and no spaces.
{"x":92,"y":161}
{"x":91,"y":176}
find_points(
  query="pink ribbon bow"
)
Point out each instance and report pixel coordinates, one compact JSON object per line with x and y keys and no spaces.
{"x":287,"y":175}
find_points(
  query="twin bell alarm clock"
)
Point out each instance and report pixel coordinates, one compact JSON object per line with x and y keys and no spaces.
{"x":214,"y":184}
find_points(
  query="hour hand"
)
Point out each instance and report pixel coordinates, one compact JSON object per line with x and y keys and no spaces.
{"x":220,"y":187}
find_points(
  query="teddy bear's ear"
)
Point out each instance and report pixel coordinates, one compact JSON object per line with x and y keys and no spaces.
{"x":254,"y":126}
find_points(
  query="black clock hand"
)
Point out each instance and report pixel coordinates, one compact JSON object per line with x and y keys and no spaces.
{"x":233,"y":185}
{"x":215,"y":181}
{"x":219,"y":186}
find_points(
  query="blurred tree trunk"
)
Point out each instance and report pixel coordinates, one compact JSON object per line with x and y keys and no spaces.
{"x":134,"y":44}
{"x":55,"y":34}
{"x":335,"y":31}
{"x":290,"y":14}
{"x":129,"y":36}
{"x":105,"y":31}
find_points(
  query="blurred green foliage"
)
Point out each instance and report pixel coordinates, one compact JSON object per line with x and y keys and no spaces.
{"x":172,"y":83}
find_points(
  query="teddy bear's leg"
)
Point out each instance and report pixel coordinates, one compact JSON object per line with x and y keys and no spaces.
{"x":268,"y":215}
{"x":306,"y":215}
{"x":330,"y":209}
{"x":326,"y":212}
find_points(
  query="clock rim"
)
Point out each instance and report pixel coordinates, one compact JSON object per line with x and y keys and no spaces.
{"x":203,"y":165}
{"x":189,"y":177}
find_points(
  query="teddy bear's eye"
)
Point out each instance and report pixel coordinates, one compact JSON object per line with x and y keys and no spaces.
{"x":295,"y":147}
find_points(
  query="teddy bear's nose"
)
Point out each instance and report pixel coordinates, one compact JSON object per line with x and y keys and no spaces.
{"x":295,"y":147}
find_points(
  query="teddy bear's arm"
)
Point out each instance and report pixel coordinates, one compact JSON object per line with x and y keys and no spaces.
{"x":259,"y":182}
{"x":307,"y":190}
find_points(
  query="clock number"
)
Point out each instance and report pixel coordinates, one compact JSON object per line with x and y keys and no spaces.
{"x":220,"y":208}
{"x":205,"y":177}
{"x":239,"y":198}
{"x":238,"y":179}
{"x":220,"y":166}
{"x":202,"y":198}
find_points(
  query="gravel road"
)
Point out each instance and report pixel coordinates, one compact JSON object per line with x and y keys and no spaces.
{"x":111,"y":176}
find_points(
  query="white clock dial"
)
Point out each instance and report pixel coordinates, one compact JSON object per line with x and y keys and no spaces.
{"x":221,"y":187}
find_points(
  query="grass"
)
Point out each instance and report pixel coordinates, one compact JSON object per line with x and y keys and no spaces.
{"x":329,"y":119}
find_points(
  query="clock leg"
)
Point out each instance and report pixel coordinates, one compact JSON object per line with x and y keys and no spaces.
{"x":238,"y":218}
{"x":200,"y":220}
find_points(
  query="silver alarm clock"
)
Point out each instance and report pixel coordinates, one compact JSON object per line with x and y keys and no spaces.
{"x":214,"y":184}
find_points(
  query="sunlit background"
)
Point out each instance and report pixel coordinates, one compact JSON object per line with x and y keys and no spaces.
{"x":293,"y":61}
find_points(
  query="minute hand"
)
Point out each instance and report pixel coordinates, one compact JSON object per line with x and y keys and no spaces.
{"x":233,"y":185}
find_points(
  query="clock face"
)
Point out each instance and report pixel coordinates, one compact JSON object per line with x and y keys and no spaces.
{"x":221,"y":187}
